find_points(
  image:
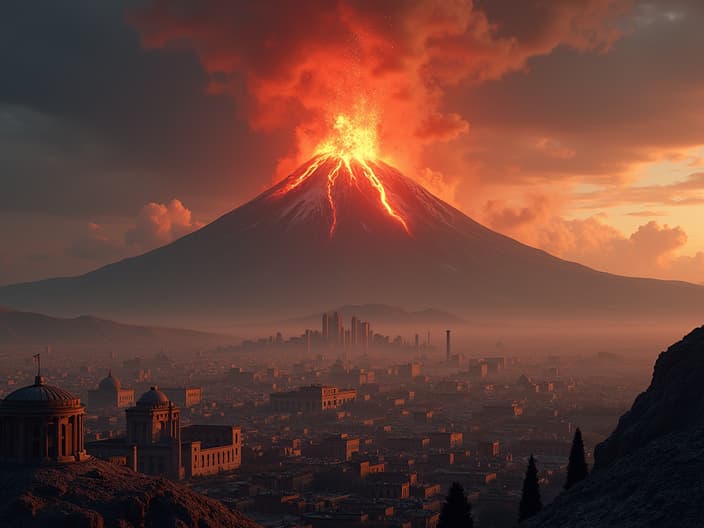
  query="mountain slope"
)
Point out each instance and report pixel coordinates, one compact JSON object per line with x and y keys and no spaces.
{"x":650,"y":471}
{"x":311,"y":242}
{"x":27,"y":328}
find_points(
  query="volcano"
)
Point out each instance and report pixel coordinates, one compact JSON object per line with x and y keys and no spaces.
{"x":346,"y":228}
{"x":338,"y":232}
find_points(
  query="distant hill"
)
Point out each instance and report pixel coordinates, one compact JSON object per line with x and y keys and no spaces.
{"x":384,"y":314}
{"x":95,"y":493}
{"x":28,"y":328}
{"x":650,"y":471}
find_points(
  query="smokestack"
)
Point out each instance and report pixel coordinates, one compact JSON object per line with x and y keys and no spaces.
{"x":447,"y":346}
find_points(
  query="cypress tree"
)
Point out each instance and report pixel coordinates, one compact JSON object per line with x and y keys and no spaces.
{"x":577,"y":469}
{"x":457,"y":510}
{"x":530,"y":498}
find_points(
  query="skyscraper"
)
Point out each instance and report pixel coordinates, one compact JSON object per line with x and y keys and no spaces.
{"x":326,"y":328}
{"x":354,"y":332}
{"x":335,"y":334}
{"x":366,"y":334}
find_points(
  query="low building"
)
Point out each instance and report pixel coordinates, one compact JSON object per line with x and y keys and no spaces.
{"x":313,"y":398}
{"x":388,"y":486}
{"x":184,"y":397}
{"x":341,"y":447}
{"x":489,"y":449}
{"x":210,"y":449}
{"x":446,"y":440}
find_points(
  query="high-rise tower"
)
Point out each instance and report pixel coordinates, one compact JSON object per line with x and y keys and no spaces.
{"x":326,"y":327}
{"x":447,"y":346}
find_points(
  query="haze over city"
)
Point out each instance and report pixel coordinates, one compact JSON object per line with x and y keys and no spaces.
{"x":343,"y":263}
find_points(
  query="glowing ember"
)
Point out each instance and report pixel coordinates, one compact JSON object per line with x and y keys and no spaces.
{"x":350,"y":150}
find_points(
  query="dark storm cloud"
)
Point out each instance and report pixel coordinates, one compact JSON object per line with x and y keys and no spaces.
{"x":86,"y":113}
{"x":632,"y":104}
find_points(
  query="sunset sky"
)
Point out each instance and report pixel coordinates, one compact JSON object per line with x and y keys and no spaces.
{"x":576,"y":126}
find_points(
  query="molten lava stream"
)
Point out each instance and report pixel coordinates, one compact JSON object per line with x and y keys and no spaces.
{"x":351,"y":168}
{"x":349,"y":149}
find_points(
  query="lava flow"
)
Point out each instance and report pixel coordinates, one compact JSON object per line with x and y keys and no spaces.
{"x":348,"y":153}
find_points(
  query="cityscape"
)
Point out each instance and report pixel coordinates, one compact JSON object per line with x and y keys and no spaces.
{"x":352,"y":264}
{"x":332,"y":432}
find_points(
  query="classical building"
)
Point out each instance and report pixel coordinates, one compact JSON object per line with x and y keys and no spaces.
{"x":110,"y":394}
{"x":156,"y":443}
{"x":210,"y":449}
{"x":314,"y":398}
{"x":41,"y":423}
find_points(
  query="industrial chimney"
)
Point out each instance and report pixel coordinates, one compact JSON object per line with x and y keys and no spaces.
{"x":447,"y":346}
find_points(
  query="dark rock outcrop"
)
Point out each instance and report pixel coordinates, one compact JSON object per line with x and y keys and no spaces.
{"x":673,"y":402}
{"x":97,"y":494}
{"x":650,"y":471}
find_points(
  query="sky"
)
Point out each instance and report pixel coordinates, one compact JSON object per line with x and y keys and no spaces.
{"x":575,"y":126}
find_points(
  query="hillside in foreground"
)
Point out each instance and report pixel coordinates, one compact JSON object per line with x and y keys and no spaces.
{"x":650,"y":471}
{"x":96,"y":494}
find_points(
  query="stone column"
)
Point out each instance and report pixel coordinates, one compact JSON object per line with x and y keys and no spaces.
{"x":72,"y":423}
{"x":44,"y":440}
{"x":80,"y":433}
{"x":58,"y":438}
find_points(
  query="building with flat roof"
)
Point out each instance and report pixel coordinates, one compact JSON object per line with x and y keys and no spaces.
{"x":184,"y":397}
{"x":312,"y":398}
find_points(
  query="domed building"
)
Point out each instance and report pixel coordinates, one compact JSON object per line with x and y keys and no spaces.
{"x":41,"y":423}
{"x":156,"y":443}
{"x":154,"y":419}
{"x":110,"y":394}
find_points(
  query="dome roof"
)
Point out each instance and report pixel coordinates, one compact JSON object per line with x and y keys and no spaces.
{"x":110,"y":383}
{"x":153,"y":398}
{"x":41,"y":392}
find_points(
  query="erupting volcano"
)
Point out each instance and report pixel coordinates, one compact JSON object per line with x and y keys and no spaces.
{"x":347,"y":158}
{"x":347,"y":228}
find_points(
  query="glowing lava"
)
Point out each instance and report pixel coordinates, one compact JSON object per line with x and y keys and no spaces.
{"x":350,"y":150}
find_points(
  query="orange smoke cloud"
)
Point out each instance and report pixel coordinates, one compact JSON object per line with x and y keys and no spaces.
{"x":650,"y":251}
{"x":295,"y":65}
{"x":158,"y":224}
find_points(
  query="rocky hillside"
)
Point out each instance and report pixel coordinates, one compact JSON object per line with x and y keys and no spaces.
{"x":650,"y":471}
{"x":97,"y":494}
